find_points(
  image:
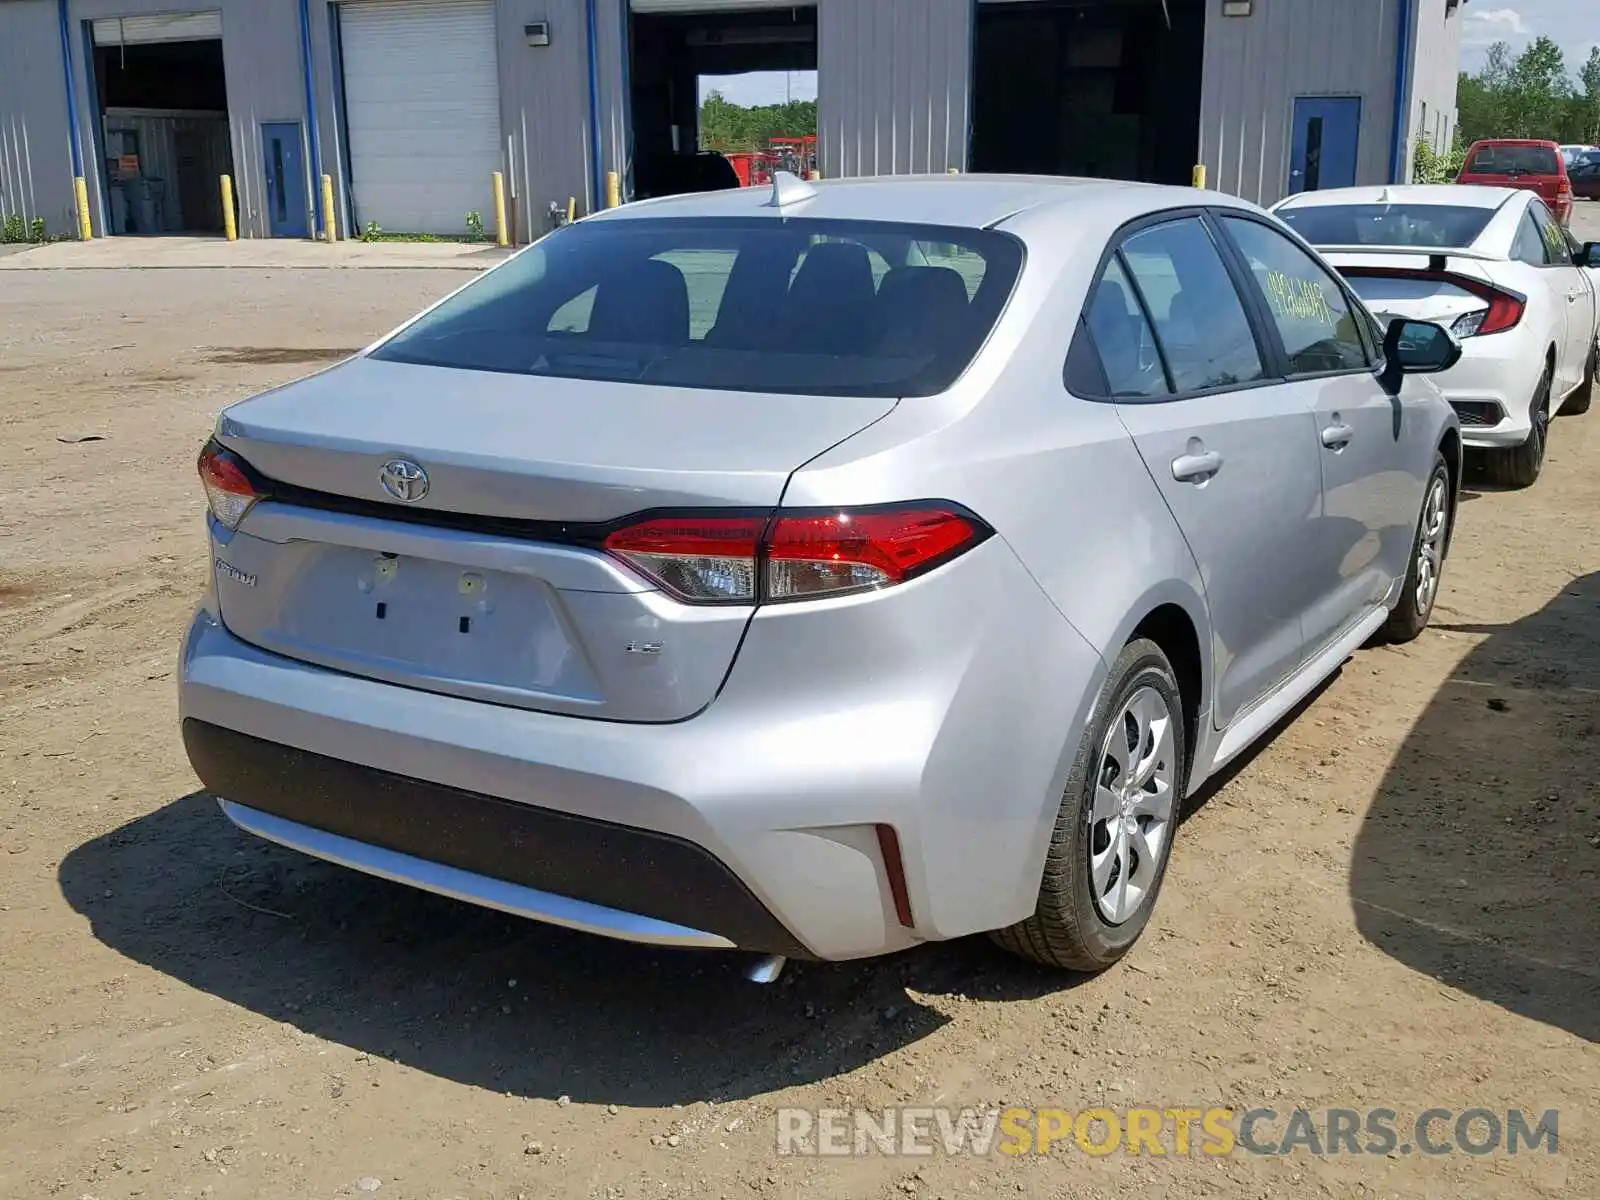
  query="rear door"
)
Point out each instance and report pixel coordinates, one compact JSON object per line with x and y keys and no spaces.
{"x":1371,"y":450}
{"x":1232,"y":450}
{"x":1574,"y":289}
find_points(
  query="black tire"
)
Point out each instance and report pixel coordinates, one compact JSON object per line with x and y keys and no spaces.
{"x":1520,"y":466}
{"x":1067,"y":929}
{"x":1578,"y":403}
{"x":1414,"y":609}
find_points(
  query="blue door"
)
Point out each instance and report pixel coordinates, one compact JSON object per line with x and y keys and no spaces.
{"x":1327,"y":134}
{"x":284,"y":155}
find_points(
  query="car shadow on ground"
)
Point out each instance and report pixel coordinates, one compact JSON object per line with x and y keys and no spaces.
{"x":1479,"y":860}
{"x":428,"y":982}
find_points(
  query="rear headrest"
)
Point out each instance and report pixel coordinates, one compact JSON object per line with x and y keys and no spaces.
{"x":920,"y":308}
{"x":830,"y":301}
{"x":649,"y":303}
{"x":840,"y":271}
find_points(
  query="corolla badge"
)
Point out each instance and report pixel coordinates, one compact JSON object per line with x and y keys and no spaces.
{"x":404,"y":479}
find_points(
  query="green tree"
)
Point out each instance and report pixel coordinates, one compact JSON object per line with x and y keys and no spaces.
{"x":1589,"y":102}
{"x":728,"y":126}
{"x":1529,"y":95}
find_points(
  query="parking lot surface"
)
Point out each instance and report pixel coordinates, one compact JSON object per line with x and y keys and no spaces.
{"x":1394,"y":904}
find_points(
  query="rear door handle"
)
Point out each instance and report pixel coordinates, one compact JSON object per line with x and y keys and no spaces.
{"x":1337,"y":436}
{"x":1196,"y":468}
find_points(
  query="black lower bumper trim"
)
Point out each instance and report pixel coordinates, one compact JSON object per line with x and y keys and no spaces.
{"x":617,"y":866}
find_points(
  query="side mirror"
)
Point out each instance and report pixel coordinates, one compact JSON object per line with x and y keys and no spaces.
{"x":1589,"y":256}
{"x":1418,"y":348}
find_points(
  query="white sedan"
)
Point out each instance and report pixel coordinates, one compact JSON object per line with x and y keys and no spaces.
{"x":1494,"y":267}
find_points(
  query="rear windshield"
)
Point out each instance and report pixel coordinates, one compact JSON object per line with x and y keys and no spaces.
{"x":1514,"y":160}
{"x":1430,"y":225}
{"x":762,"y":304}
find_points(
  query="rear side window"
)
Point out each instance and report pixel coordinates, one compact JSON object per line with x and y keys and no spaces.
{"x":1124,"y":340}
{"x":1529,"y":247}
{"x":1431,"y":225}
{"x":1556,"y":250}
{"x":1314,"y":317}
{"x":763,"y":304}
{"x":1199,"y":319}
{"x":1514,"y":160}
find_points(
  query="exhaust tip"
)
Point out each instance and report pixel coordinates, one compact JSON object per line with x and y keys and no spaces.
{"x":766,"y":969}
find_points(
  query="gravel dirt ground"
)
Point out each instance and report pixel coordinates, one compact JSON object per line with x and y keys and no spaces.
{"x":1395,"y":903}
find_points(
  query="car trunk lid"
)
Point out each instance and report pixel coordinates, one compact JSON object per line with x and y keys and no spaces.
{"x":490,"y":583}
{"x":1415,"y":284}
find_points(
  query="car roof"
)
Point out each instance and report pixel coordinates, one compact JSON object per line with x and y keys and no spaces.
{"x":963,"y":201}
{"x":1453,"y":195}
{"x":1514,"y":142}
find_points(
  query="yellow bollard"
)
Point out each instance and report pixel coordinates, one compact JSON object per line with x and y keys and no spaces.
{"x":230,"y":229}
{"x":1200,"y":175}
{"x":814,"y":175}
{"x":330,"y":222}
{"x":613,"y":190}
{"x":955,"y":170}
{"x":502,"y":235}
{"x":80,"y":188}
{"x":572,"y":209}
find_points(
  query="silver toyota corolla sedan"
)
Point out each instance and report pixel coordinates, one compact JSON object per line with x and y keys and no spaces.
{"x":817,"y":571}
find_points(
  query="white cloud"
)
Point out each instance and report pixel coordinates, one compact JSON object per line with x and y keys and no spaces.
{"x":1493,"y":25}
{"x":1572,"y":23}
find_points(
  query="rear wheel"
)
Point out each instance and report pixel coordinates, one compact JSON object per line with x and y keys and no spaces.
{"x":1578,"y":403}
{"x":1113,"y":835}
{"x":1415,"y":606}
{"x":1520,"y":466}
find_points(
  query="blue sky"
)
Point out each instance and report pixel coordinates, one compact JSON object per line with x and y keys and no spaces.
{"x":764,"y":87}
{"x":1574,"y":24}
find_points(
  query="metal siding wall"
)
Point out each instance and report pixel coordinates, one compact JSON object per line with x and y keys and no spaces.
{"x":35,"y":145}
{"x":544,"y":103}
{"x":261,"y":59}
{"x":893,"y":84}
{"x":1255,"y":67}
{"x":1437,"y":66}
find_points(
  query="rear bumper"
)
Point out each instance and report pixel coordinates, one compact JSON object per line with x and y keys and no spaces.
{"x":555,"y":867}
{"x":754,"y":824}
{"x":1492,"y":388}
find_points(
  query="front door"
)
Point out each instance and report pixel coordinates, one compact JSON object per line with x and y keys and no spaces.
{"x":1327,"y":134}
{"x":284,"y":156}
{"x":1368,"y":442}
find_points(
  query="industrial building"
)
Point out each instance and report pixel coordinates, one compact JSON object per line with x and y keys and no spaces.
{"x":411,"y":105}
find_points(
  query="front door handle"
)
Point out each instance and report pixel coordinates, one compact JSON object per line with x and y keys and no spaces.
{"x":1337,"y":436}
{"x":1196,"y":468}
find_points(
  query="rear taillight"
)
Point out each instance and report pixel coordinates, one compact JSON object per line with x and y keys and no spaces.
{"x":229,"y":491}
{"x":795,"y":554}
{"x":1505,"y":307}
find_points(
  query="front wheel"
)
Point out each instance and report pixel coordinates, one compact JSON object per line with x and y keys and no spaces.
{"x":1113,"y":834}
{"x":1415,"y":606}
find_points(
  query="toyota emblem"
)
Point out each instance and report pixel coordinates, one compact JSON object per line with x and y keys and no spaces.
{"x":404,"y":480}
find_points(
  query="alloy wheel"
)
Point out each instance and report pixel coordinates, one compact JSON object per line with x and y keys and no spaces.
{"x":1134,"y":800}
{"x":1430,"y":545}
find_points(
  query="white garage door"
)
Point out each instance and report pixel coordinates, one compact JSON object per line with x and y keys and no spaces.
{"x":422,"y":102}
